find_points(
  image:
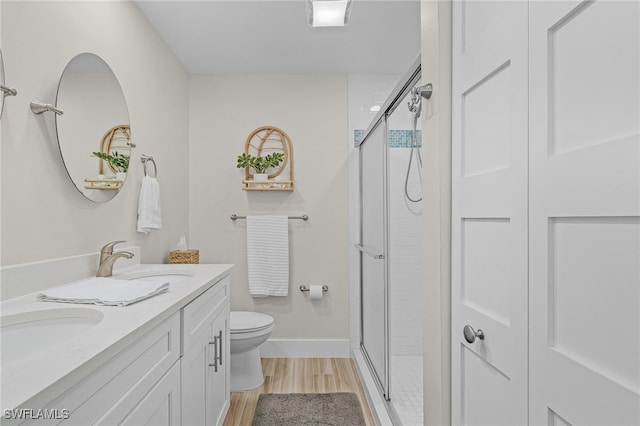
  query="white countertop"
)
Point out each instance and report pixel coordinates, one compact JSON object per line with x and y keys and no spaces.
{"x":38,"y":379}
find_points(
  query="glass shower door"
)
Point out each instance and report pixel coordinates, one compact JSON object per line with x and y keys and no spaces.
{"x":373,"y":248}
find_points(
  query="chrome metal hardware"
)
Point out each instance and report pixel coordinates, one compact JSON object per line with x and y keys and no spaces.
{"x":304,"y":217}
{"x":107,"y":250}
{"x":217,"y":351}
{"x":369,"y":252}
{"x":108,"y":258}
{"x":220,"y":340}
{"x":425,"y":91}
{"x":215,"y":354}
{"x":8,"y":91}
{"x":146,"y":159}
{"x":39,"y":108}
{"x":470,"y":334}
{"x":325,"y":288}
{"x":106,"y":267}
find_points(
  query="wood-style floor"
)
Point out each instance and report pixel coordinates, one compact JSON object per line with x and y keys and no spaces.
{"x":299,"y":375}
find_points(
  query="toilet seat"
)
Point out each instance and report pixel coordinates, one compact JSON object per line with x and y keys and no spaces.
{"x":249,"y":322}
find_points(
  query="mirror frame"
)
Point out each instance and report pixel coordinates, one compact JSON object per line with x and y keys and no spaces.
{"x":2,"y":80}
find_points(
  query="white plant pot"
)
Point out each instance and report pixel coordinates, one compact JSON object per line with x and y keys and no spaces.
{"x":261,"y":176}
{"x":121,"y":176}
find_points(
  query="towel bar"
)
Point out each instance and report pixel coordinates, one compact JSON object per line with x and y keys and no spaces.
{"x":304,"y":217}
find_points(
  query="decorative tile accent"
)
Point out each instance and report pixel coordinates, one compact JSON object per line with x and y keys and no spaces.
{"x":397,"y":138}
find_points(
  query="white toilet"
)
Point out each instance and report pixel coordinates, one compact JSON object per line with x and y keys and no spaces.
{"x":248,"y":331}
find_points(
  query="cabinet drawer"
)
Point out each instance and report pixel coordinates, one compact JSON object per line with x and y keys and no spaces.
{"x":198,"y":315}
{"x":119,"y":384}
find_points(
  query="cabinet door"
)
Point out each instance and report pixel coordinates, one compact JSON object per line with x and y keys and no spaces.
{"x":205,"y":375}
{"x":161,"y":406}
{"x":195,"y":379}
{"x":218,"y":383}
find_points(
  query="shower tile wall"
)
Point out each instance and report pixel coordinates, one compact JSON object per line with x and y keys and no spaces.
{"x":405,"y":257}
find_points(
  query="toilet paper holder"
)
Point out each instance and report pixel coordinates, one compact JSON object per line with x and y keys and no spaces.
{"x":325,"y":288}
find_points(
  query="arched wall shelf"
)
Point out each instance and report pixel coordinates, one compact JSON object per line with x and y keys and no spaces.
{"x":261,"y":142}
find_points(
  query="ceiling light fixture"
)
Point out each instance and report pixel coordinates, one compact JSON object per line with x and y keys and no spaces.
{"x":328,"y":13}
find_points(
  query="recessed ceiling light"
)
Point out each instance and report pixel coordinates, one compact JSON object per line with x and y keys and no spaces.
{"x":374,"y":108}
{"x":328,"y":13}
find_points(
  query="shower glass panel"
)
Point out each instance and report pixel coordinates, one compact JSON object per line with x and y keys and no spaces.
{"x":374,"y":303}
{"x":390,"y":217}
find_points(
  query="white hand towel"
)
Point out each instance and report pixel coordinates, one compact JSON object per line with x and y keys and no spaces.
{"x":268,"y":255}
{"x":106,"y":291}
{"x":149,"y":205}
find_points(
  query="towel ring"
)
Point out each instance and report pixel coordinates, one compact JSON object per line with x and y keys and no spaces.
{"x":146,"y":159}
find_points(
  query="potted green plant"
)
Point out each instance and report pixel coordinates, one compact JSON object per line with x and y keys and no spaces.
{"x":260,"y":164}
{"x":118,"y":161}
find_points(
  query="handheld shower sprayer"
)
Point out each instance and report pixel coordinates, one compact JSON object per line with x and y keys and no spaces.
{"x":415,"y":107}
{"x":417,"y":93}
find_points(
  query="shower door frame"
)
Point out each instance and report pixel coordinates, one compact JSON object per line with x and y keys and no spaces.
{"x":410,"y":79}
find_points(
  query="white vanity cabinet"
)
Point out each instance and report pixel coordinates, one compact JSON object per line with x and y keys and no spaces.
{"x":205,"y":359}
{"x":175,"y":374}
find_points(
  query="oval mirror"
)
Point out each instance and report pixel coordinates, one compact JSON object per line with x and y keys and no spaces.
{"x":94,"y":134}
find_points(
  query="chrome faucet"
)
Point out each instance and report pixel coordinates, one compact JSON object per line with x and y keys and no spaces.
{"x":108,"y":258}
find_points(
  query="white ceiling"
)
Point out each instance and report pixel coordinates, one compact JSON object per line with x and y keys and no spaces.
{"x":272,"y":36}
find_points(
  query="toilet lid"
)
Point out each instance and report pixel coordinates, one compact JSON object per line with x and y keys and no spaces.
{"x":242,"y":322}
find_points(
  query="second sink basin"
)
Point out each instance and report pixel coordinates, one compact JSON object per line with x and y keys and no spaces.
{"x":171,"y":275}
{"x":28,"y":333}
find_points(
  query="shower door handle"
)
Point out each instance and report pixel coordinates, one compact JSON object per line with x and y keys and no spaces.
{"x":369,"y":252}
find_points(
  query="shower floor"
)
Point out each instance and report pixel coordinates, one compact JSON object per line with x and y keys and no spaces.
{"x":407,"y":389}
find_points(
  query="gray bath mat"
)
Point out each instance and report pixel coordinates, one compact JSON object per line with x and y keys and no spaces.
{"x":297,"y":409}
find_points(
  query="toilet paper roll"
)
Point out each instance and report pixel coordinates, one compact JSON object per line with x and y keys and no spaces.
{"x":315,"y":292}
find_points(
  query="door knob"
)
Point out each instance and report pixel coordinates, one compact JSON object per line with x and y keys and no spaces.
{"x":470,"y":334}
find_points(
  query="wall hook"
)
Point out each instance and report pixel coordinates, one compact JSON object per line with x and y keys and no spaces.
{"x":38,"y":108}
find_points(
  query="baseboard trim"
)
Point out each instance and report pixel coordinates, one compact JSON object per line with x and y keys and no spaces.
{"x":306,"y":348}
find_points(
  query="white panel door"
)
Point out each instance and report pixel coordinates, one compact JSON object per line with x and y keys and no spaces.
{"x":584,"y":213}
{"x":489,"y":212}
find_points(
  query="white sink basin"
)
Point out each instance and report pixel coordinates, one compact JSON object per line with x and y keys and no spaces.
{"x":33,"y":332}
{"x":170,"y":275}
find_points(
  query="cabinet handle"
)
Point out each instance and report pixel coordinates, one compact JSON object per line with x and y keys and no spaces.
{"x":220,"y":340}
{"x":215,"y":354}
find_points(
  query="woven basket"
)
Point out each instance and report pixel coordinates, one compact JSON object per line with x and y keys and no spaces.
{"x":185,"y":256}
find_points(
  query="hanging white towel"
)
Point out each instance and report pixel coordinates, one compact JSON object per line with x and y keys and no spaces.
{"x":106,"y":291}
{"x":149,"y":217}
{"x":268,"y":255}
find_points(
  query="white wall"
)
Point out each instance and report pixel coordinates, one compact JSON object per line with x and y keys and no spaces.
{"x":43,"y":214}
{"x":312,"y":110}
